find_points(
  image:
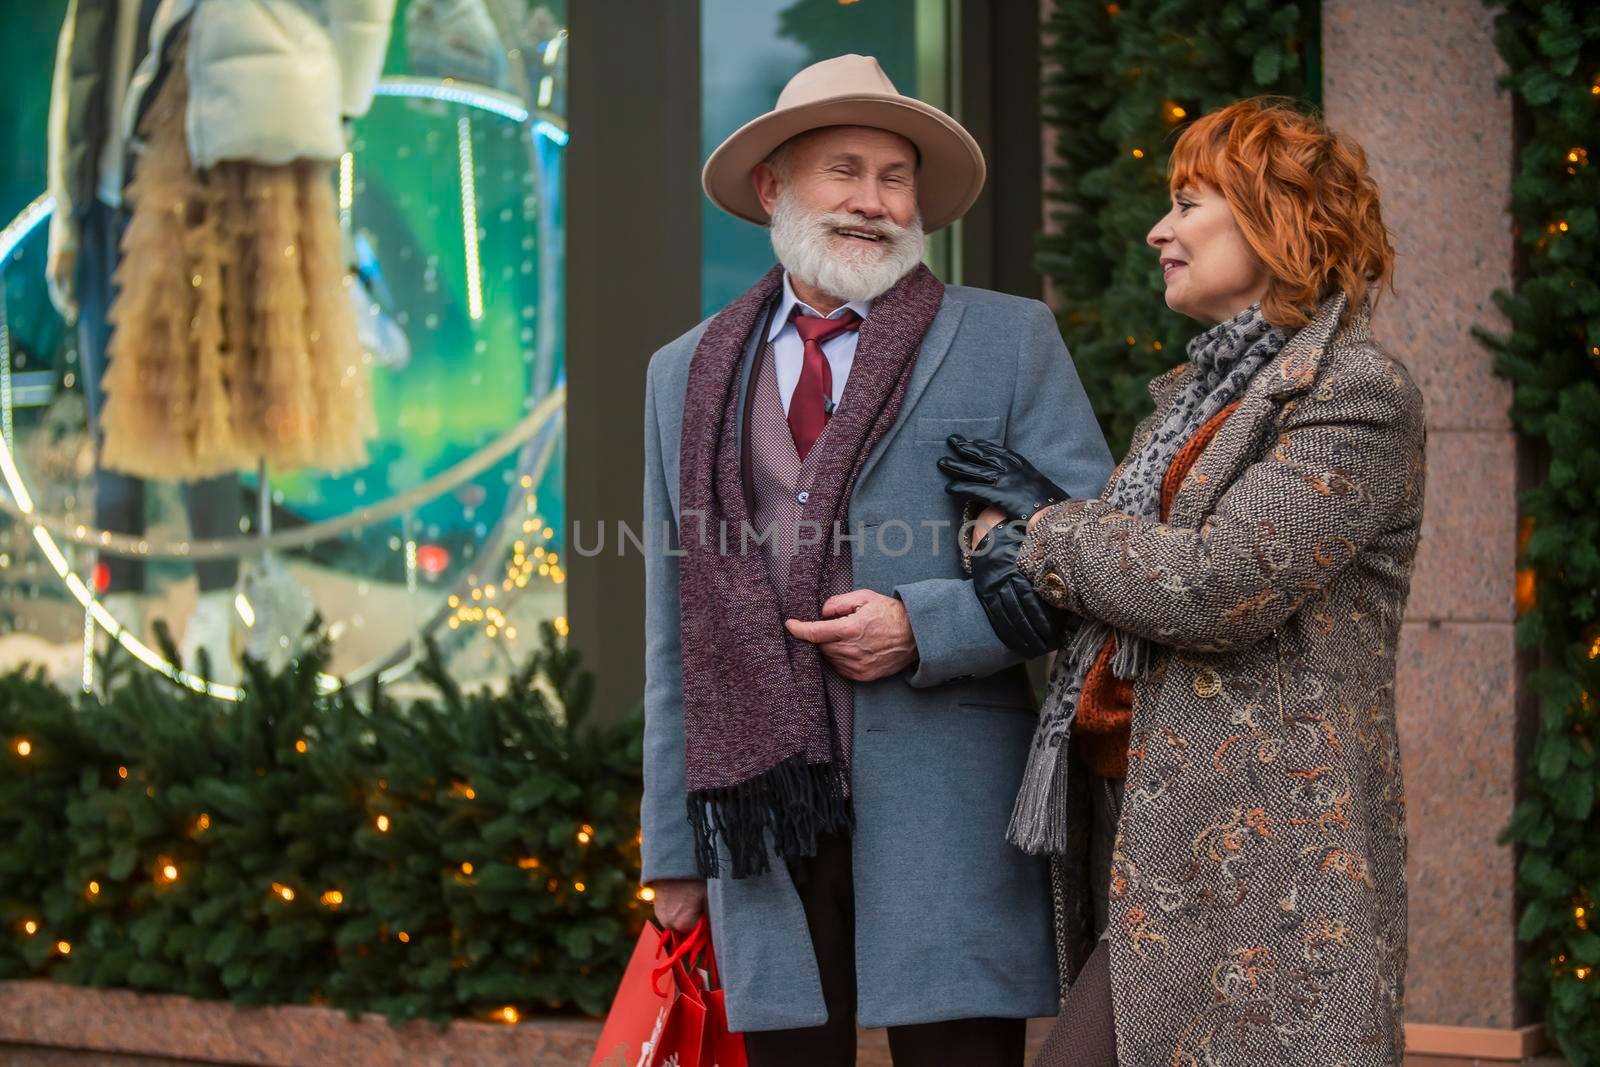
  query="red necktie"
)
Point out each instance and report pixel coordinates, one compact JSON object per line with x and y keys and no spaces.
{"x":813,"y":393}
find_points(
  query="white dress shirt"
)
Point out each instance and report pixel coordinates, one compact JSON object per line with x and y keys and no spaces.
{"x":789,"y":352}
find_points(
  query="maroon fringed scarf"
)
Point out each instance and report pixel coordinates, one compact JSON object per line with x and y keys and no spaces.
{"x":760,"y":749}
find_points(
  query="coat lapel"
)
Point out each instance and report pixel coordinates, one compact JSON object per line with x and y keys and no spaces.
{"x":1240,"y":440}
{"x":935,"y":346}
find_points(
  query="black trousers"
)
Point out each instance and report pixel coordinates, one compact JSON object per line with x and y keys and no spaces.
{"x":827,"y":892}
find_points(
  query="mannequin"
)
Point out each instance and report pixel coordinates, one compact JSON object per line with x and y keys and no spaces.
{"x":196,"y":187}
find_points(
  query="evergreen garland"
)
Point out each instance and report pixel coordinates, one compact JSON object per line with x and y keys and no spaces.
{"x":473,"y":855}
{"x":1120,"y":80}
{"x":1552,"y":355}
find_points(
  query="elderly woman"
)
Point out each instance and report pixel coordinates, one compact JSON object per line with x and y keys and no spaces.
{"x":1216,"y":769}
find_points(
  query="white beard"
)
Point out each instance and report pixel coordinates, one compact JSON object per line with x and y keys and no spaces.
{"x":809,"y":249}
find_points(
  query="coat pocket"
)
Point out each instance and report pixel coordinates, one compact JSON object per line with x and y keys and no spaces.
{"x":1000,"y":706}
{"x":933,"y":429}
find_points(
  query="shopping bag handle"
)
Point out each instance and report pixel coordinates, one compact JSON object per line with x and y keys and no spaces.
{"x":678,"y":950}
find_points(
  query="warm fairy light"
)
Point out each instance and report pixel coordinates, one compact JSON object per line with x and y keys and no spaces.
{"x":1582,"y":973}
{"x":203,"y":822}
{"x":647,"y":894}
{"x":24,"y":747}
{"x":507,"y":1014}
{"x":1562,"y":225}
{"x":579,"y":886}
{"x":122,"y":772}
{"x":466,"y":868}
{"x":1138,"y":153}
{"x":300,"y":746}
{"x":286,"y":892}
{"x":169,"y":872}
{"x":30,"y":927}
{"x":529,"y":863}
{"x":94,"y":890}
{"x":65,"y":948}
{"x":585,"y":834}
{"x":332,"y":898}
{"x":383,"y":824}
{"x":404,"y":937}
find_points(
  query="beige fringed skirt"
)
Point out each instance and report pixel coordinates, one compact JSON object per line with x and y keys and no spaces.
{"x":233,"y":339}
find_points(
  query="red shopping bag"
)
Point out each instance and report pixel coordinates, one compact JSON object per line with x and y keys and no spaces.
{"x":658,"y":1018}
{"x":720,"y":1047}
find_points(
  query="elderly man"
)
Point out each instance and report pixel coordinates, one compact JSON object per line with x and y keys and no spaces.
{"x":834,"y":734}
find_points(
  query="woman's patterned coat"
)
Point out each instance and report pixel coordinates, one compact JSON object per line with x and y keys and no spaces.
{"x":1258,"y":896}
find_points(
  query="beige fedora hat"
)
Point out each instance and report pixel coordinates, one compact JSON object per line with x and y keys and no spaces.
{"x":851,"y":91}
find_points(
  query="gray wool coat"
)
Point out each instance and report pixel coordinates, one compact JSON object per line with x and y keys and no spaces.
{"x":951,"y":920}
{"x":1258,"y":884}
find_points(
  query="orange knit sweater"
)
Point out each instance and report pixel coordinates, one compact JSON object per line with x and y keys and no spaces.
{"x":1105,"y":709}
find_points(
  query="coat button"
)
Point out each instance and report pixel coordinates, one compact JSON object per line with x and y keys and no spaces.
{"x":803,"y":497}
{"x":1207,"y":683}
{"x":1051,"y":585}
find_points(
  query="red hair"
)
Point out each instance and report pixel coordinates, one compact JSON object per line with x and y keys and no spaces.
{"x":1302,"y":198}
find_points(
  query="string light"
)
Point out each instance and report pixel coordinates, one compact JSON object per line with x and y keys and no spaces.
{"x":469,"y":217}
{"x":383,"y":824}
{"x":647,"y":894}
{"x":507,"y":1014}
{"x":300,"y":746}
{"x":1138,"y":153}
{"x":94,"y":890}
{"x":286,"y":892}
{"x":203,"y":823}
{"x":466,"y":868}
{"x":122,"y":772}
{"x":332,"y":898}
{"x":579,"y":886}
{"x":405,"y":938}
{"x":24,"y":748}
{"x":169,"y":871}
{"x":585,"y":834}
{"x":529,"y":863}
{"x":64,"y":947}
{"x":30,"y":927}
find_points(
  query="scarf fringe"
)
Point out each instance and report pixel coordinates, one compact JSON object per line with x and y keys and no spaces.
{"x":1041,"y":823}
{"x":794,"y":803}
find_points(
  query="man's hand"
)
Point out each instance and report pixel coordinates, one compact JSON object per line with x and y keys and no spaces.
{"x":679,"y":904}
{"x":864,"y":635}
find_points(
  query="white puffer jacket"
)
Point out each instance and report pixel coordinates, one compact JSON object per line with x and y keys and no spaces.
{"x":269,"y":80}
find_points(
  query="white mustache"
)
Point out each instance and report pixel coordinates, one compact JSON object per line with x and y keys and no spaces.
{"x":805,"y":246}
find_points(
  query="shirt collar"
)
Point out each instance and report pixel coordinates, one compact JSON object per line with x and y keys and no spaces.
{"x":787,"y":305}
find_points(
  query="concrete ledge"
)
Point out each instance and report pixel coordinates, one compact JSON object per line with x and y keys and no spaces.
{"x":36,"y":1012}
{"x":1466,"y":1043}
{"x":121,"y":1022}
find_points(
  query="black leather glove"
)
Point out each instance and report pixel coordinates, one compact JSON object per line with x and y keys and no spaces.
{"x":994,"y":474}
{"x":1020,"y":617}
